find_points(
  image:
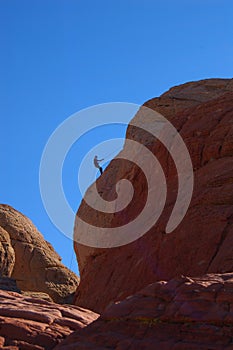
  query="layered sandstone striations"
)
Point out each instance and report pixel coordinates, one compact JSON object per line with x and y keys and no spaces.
{"x":203,"y":242}
{"x":28,"y":323}
{"x":181,"y":314}
{"x":30,"y":260}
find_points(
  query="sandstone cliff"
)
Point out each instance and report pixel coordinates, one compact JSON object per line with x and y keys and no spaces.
{"x":163,"y":291}
{"x":30,"y":260}
{"x":203,"y":114}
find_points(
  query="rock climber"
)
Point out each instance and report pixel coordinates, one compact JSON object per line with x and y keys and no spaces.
{"x":96,"y":163}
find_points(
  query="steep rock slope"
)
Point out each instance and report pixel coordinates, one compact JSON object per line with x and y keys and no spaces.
{"x":30,"y":260}
{"x":203,"y":114}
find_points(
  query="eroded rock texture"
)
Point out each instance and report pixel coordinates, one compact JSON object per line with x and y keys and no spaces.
{"x":181,"y":314}
{"x":30,"y":260}
{"x":203,"y":242}
{"x":28,"y":323}
{"x":7,"y":254}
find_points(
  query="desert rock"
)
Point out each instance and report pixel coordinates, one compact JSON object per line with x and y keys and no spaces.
{"x":31,"y":323}
{"x":7,"y":254}
{"x":180,"y":314}
{"x":202,"y":243}
{"x":28,"y":258}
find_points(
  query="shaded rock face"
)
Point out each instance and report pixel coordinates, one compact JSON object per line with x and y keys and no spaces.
{"x":7,"y":254}
{"x":31,"y":323}
{"x":7,"y":283}
{"x":203,"y":242}
{"x":181,"y":314}
{"x":30,"y":260}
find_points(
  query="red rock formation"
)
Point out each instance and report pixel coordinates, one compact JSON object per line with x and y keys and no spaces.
{"x":30,"y":323}
{"x":150,"y":304}
{"x":182,"y":314}
{"x":7,"y":254}
{"x":7,"y":283}
{"x":203,"y":114}
{"x":30,"y":260}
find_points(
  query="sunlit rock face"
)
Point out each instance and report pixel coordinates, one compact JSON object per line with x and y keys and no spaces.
{"x":202,"y":112}
{"x":32,"y":323}
{"x":30,"y":260}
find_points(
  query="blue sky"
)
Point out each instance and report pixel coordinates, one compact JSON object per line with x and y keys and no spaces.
{"x":60,"y":56}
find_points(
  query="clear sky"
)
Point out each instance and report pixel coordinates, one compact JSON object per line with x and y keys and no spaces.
{"x":60,"y":56}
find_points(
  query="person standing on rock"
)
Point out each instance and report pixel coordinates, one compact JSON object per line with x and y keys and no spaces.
{"x":96,"y":163}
